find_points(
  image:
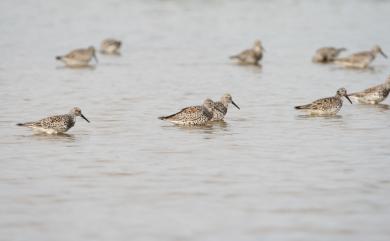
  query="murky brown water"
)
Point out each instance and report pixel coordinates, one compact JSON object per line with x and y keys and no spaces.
{"x":267,"y":173}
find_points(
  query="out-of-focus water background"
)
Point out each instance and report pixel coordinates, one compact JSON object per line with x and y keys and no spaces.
{"x":267,"y":173}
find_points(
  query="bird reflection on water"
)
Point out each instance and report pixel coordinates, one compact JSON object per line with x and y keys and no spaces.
{"x":215,"y":127}
{"x":54,"y":137}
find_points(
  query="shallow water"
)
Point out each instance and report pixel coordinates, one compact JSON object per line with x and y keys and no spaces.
{"x":266,"y":173}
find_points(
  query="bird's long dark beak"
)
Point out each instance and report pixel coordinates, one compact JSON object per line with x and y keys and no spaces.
{"x":346,"y":96}
{"x":82,"y":116}
{"x":235,"y":105}
{"x":383,"y":54}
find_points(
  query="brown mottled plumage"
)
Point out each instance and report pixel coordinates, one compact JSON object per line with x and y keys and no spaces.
{"x":110,"y":46}
{"x":361,"y":59}
{"x":193,"y":115}
{"x":373,"y":95}
{"x":221,"y":107}
{"x":56,"y":124}
{"x":250,"y":56}
{"x":327,"y":54}
{"x":78,"y":57}
{"x":326,"y":106}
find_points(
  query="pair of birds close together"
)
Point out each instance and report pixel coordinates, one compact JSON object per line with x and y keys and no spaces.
{"x":202,"y":114}
{"x":332,"y":105}
{"x":82,"y":57}
{"x":357,"y":60}
{"x":194,"y":115}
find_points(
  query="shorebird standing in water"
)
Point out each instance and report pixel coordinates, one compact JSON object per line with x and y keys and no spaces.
{"x":250,"y":56}
{"x":361,"y":59}
{"x":221,"y":107}
{"x":327,"y":54}
{"x":193,"y":115}
{"x":110,"y":46}
{"x":78,"y":57}
{"x":326,"y":106}
{"x":373,"y":95}
{"x":56,"y":124}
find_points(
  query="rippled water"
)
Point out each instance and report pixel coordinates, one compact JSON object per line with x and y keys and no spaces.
{"x":266,"y":173}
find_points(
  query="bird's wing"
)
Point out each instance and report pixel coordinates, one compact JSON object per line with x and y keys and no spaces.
{"x":51,"y":121}
{"x":357,"y":58}
{"x":320,"y":103}
{"x":367,"y":91}
{"x":243,"y":54}
{"x":81,"y":54}
{"x":187,"y":113}
{"x":109,"y":42}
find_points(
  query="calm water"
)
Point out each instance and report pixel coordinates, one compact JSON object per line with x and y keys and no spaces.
{"x":267,"y":173}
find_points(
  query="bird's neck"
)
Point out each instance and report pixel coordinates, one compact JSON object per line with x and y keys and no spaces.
{"x":72,"y":115}
{"x":387,"y":84}
{"x":209,"y":109}
{"x":224,"y":103}
{"x":374,"y":53}
{"x":257,"y":49}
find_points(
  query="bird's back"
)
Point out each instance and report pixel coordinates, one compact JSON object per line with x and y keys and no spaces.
{"x":326,"y":103}
{"x":323,"y":104}
{"x":361,"y":56}
{"x":249,"y":56}
{"x":80,"y":54}
{"x":187,"y":113}
{"x":109,"y":42}
{"x":376,"y":88}
{"x":371,"y":95}
{"x":59,"y":123}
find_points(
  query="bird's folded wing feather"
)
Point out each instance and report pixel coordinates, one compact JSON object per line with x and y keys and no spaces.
{"x":48,"y":122}
{"x":318,"y":104}
{"x":187,"y":113}
{"x":366,"y":91}
{"x":358,"y":57}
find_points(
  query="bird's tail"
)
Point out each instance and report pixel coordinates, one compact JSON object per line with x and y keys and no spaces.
{"x":58,"y":57}
{"x":300,"y":107}
{"x":234,"y":57}
{"x":28,"y":124}
{"x":166,"y":117}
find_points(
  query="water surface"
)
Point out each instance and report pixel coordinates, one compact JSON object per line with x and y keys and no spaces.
{"x":267,"y":173}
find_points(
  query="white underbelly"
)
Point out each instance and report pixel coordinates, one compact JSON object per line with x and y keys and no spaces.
{"x":44,"y":130}
{"x":330,"y":111}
